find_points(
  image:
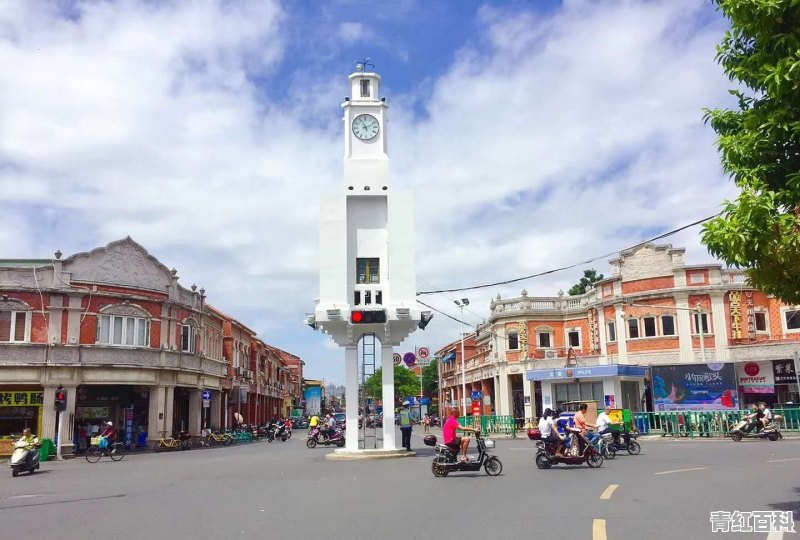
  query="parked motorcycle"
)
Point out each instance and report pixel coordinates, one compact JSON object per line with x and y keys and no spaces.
{"x":316,"y":437}
{"x":24,"y":458}
{"x":771,"y":431}
{"x":546,"y":451}
{"x":447,"y":460}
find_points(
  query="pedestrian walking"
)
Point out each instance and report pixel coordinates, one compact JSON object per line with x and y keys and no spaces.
{"x":405,"y":425}
{"x":426,"y":423}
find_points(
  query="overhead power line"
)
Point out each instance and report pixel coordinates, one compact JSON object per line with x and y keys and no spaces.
{"x":587,"y":261}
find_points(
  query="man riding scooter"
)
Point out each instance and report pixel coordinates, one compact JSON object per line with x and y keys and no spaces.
{"x":27,"y":443}
{"x":449,"y":435}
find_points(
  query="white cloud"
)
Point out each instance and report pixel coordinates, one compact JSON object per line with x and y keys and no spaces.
{"x":548,"y":140}
{"x":350,"y":32}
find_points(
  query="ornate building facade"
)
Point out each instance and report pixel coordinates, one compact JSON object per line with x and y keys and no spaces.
{"x":654,"y":310}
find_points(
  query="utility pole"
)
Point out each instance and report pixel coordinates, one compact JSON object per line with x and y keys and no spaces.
{"x":464,"y":302}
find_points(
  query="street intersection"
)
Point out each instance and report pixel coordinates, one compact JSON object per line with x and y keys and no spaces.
{"x":284,"y":490}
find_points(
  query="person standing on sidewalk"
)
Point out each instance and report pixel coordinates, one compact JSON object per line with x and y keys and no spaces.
{"x":426,"y":423}
{"x":405,"y":426}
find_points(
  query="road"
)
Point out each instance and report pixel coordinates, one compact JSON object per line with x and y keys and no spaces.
{"x":284,"y":490}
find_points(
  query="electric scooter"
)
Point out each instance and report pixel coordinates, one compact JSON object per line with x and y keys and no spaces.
{"x":24,"y":458}
{"x":771,"y":431}
{"x":315,"y":437}
{"x":446,"y":460}
{"x":546,"y":455}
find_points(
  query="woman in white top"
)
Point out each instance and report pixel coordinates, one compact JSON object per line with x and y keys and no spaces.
{"x":547,"y":428}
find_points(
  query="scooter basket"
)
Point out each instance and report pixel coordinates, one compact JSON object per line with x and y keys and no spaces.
{"x":489,"y":443}
{"x":95,"y":441}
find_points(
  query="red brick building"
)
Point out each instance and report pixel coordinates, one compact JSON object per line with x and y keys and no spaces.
{"x":651,"y":311}
{"x":129,"y":343}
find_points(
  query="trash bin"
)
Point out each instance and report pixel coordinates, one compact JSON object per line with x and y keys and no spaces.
{"x":46,"y":450}
{"x":642,"y":423}
{"x":141,"y":440}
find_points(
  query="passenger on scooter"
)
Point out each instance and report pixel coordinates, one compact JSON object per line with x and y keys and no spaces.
{"x":767,"y":414}
{"x":549,"y":432}
{"x":329,"y":427}
{"x":449,"y":435}
{"x":579,"y":422}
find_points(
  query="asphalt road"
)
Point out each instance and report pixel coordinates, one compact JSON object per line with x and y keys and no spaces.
{"x":284,"y":490}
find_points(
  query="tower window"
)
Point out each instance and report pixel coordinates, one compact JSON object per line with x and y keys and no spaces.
{"x":364,"y":87}
{"x":367,"y":270}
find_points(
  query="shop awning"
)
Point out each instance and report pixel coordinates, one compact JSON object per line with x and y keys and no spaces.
{"x":450,"y":357}
{"x":592,"y":372}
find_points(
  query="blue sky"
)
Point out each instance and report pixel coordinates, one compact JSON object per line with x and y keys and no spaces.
{"x":209,"y":131}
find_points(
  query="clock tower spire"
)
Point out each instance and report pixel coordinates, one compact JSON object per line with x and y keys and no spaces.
{"x":366,"y":159}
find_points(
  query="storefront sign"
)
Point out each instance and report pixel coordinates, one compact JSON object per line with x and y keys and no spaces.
{"x":21,"y":399}
{"x":751,"y":315}
{"x":93,"y":413}
{"x":695,"y":387}
{"x":756,"y":377}
{"x":783,"y":371}
{"x":612,"y":370}
{"x":128,"y":426}
{"x":523,"y":340}
{"x":594,"y":331}
{"x":735,"y":298}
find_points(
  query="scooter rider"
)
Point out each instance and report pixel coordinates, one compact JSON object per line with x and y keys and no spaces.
{"x":449,"y":435}
{"x":31,"y":442}
{"x":329,"y":426}
{"x":549,"y":433}
{"x":755,"y":416}
{"x":767,"y":414}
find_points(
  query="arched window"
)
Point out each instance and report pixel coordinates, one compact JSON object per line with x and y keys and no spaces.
{"x":123,"y":325}
{"x":188,"y":336}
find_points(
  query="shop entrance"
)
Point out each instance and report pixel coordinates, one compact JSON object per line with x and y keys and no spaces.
{"x":126,"y":406}
{"x":180,"y":409}
{"x":630,"y":395}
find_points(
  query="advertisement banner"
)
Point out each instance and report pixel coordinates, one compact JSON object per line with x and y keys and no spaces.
{"x":783,"y":371}
{"x":695,"y":387}
{"x":313,"y":397}
{"x":756,"y":377}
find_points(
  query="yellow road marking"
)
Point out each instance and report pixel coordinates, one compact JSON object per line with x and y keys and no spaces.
{"x":609,"y":492}
{"x":682,"y":470}
{"x":599,"y":529}
{"x":775,"y":535}
{"x":780,"y":460}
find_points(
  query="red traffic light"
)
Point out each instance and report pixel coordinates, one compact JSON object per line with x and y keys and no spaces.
{"x":60,"y":396}
{"x":371,"y":316}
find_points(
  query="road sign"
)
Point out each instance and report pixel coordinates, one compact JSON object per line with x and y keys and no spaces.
{"x":476,"y":396}
{"x":425,"y":401}
{"x":206,"y":395}
{"x":423,"y":352}
{"x":424,"y":362}
{"x":410,"y":359}
{"x":206,"y":403}
{"x":396,"y":358}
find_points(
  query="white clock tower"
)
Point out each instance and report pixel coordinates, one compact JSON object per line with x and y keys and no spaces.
{"x":367,"y":278}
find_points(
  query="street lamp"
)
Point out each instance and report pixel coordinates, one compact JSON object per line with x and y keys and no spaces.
{"x":462,"y":304}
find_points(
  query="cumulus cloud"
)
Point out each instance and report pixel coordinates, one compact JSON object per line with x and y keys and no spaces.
{"x":354,"y":31}
{"x":550,"y":138}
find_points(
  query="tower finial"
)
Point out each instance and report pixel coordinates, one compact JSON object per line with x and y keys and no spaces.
{"x":363,"y":65}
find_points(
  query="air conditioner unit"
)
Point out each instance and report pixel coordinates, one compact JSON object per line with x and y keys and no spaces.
{"x":549,"y":354}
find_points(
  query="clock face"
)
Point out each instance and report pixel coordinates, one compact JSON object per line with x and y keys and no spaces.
{"x":365,"y":127}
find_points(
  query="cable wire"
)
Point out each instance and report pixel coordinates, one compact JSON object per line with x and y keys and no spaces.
{"x":593,"y":259}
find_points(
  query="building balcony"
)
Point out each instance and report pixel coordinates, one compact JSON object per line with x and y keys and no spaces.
{"x":39,"y":354}
{"x":542,"y":304}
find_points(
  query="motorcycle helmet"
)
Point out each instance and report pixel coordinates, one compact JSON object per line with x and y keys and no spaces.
{"x":109,"y":424}
{"x":534,"y":434}
{"x":429,"y":440}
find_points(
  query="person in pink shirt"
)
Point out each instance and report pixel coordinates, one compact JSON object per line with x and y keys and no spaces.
{"x":452,"y":440}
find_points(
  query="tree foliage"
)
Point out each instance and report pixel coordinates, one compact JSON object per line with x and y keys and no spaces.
{"x":590,"y":277}
{"x":759,"y":143}
{"x":430,"y":379}
{"x":405,"y":384}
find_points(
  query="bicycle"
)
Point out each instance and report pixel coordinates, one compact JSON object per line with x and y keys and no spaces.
{"x":170,"y":443}
{"x":212,"y":439}
{"x":115,"y":451}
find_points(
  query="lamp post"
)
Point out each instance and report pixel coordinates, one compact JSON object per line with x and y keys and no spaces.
{"x":463,"y":303}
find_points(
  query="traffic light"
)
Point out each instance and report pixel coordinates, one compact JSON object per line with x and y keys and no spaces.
{"x":61,"y":399}
{"x":424,"y":318}
{"x":373,"y":316}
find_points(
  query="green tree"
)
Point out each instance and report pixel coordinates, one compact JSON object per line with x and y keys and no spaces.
{"x":430,"y":379}
{"x":405,"y":384}
{"x":590,"y":277}
{"x":759,"y":143}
